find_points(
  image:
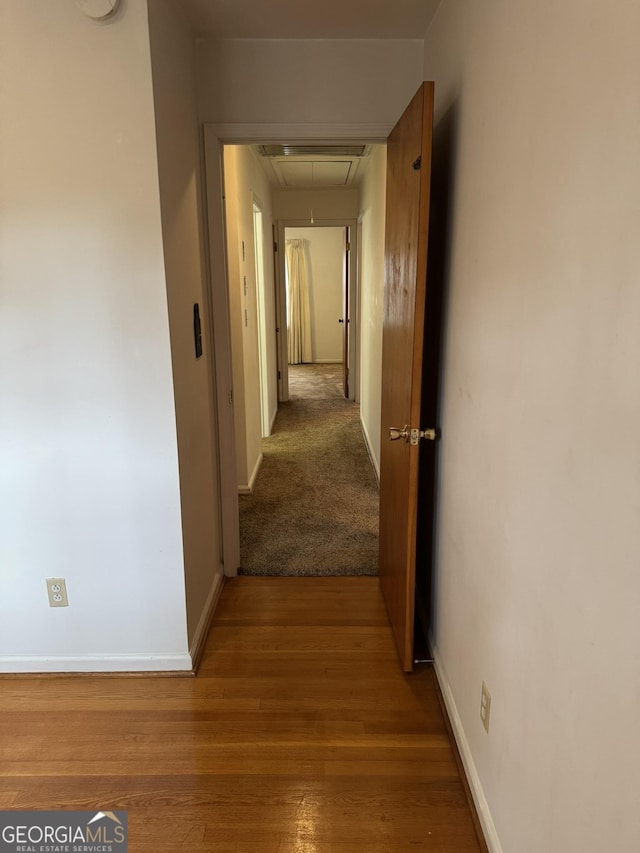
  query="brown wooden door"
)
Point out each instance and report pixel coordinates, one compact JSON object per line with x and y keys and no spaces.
{"x":347,"y":311}
{"x":405,"y":298}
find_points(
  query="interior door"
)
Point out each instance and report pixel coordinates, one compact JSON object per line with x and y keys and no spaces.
{"x":405,"y":302}
{"x":346,"y":312}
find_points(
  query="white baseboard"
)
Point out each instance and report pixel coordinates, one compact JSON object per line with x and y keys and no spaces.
{"x":202,"y":629}
{"x":94,"y":663}
{"x":247,"y":488}
{"x":482,"y":807}
{"x":369,"y":446}
{"x":273,"y":419}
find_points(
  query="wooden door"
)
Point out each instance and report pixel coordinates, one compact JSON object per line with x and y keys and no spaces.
{"x":405,"y":300}
{"x":346,"y":312}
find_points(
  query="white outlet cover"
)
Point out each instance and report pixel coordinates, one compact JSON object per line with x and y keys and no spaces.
{"x":98,"y":10}
{"x":57,"y":592}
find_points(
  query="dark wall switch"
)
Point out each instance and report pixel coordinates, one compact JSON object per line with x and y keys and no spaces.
{"x":197,"y":330}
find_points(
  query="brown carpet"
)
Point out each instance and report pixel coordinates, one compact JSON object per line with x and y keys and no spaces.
{"x":314,"y":509}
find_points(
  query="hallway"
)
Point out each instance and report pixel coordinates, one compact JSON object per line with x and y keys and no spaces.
{"x":314,"y":509}
{"x":300,"y":734}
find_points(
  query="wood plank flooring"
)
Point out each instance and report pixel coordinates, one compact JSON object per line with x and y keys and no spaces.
{"x":300,"y":734}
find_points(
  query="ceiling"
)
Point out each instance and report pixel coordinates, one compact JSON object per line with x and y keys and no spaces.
{"x":300,"y":19}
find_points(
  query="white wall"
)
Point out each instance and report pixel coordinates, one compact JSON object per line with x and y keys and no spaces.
{"x":338,"y":81}
{"x":89,"y":463}
{"x":174,"y":86}
{"x":538,"y":587}
{"x":325,"y":250}
{"x":372,"y":205}
{"x":326,"y":204}
{"x":243,"y":180}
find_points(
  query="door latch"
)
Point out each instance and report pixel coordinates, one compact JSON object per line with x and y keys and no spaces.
{"x":413,"y":435}
{"x":427,"y":434}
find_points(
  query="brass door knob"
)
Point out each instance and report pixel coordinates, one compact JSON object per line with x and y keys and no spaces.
{"x":395,"y":434}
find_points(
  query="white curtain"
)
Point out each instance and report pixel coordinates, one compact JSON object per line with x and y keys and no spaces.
{"x":298,"y":314}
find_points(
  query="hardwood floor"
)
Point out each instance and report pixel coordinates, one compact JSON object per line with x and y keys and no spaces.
{"x":300,"y":734}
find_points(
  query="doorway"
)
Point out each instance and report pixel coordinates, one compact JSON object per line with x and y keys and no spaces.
{"x":316,"y":263}
{"x":294,"y":217}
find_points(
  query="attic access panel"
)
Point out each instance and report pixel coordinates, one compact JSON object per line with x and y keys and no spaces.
{"x":312,"y":165}
{"x":313,"y":173}
{"x":323,"y":150}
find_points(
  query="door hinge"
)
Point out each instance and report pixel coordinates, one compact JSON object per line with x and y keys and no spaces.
{"x":348,"y":246}
{"x":427,"y":434}
{"x":417,"y":163}
{"x":231,"y":396}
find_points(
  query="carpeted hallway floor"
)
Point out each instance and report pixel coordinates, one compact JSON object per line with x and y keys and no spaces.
{"x":314,"y":509}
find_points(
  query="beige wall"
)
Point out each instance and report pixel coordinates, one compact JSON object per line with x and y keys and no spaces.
{"x":326,"y":204}
{"x":243,"y":178}
{"x":538,"y":588}
{"x":372,"y":217}
{"x":88,"y":451}
{"x":325,"y":251}
{"x":322,"y":80}
{"x":172,"y":54}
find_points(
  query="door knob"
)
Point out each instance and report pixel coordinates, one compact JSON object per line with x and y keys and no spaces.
{"x":395,"y":434}
{"x":428,"y":434}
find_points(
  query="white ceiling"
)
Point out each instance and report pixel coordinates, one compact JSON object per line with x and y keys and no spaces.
{"x":301,"y":19}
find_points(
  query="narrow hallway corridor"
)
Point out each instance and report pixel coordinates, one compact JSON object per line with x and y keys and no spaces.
{"x":314,"y":508}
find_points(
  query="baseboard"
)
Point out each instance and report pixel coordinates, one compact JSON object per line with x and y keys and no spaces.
{"x":247,"y":489}
{"x":196,"y":648}
{"x":368,"y":445}
{"x":327,"y":361}
{"x":273,"y":420}
{"x":482,"y":807}
{"x":99,"y":664}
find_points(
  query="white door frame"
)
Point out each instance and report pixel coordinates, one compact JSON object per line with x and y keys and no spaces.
{"x":258,"y":240}
{"x":215,"y":136}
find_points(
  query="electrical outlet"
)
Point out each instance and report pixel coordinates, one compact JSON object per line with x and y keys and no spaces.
{"x":57,"y":592}
{"x":485,"y":707}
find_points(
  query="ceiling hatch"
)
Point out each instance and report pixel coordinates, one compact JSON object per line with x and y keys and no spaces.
{"x":304,"y":166}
